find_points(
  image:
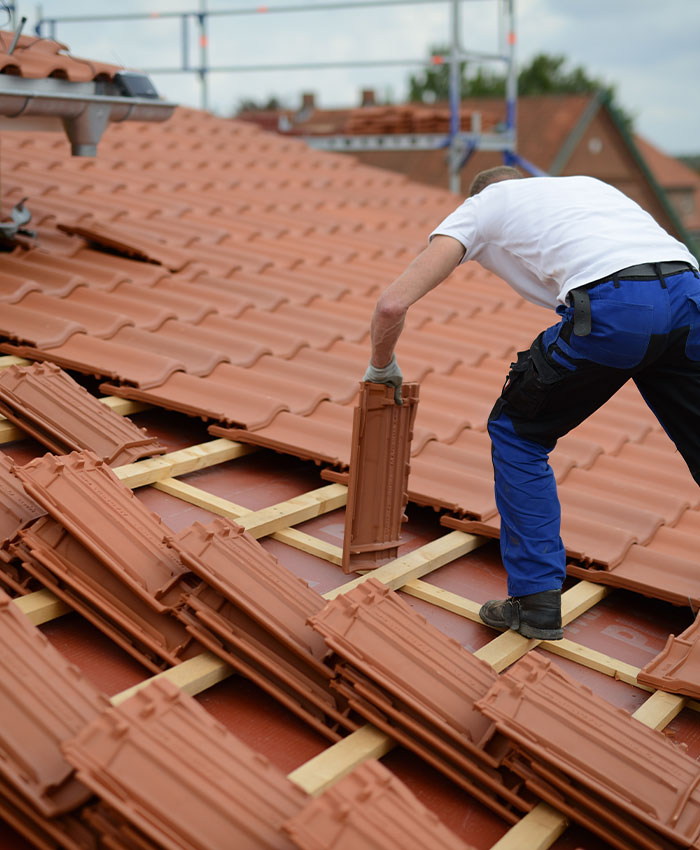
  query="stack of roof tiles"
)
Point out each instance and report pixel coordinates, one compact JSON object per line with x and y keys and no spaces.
{"x":409,"y":118}
{"x":79,"y":531}
{"x":532,"y":730}
{"x":252,"y":612}
{"x":409,"y":679}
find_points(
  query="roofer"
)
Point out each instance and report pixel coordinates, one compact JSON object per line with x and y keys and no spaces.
{"x":628,"y":297}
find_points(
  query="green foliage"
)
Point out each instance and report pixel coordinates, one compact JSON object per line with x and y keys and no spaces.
{"x":545,"y":74}
{"x":247,"y":105}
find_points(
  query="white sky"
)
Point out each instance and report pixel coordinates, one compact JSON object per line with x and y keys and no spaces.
{"x":648,"y":49}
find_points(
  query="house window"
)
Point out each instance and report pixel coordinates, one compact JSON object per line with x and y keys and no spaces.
{"x":595,"y":145}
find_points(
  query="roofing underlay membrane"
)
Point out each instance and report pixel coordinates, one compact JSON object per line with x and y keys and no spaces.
{"x":225,"y":277}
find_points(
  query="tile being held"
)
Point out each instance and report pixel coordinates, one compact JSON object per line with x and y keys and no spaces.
{"x":379,"y":467}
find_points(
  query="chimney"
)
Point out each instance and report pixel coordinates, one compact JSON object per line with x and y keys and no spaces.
{"x":368,"y":98}
{"x":308,"y":101}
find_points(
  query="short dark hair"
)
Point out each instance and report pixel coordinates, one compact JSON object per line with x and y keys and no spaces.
{"x":493,"y":175}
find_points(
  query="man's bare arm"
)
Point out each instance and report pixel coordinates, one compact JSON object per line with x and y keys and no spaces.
{"x":428,"y":269}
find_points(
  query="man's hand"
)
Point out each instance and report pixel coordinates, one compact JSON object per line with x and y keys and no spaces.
{"x":389,"y":375}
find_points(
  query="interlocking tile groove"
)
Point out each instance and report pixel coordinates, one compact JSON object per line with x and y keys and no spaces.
{"x":640,"y":784}
{"x":65,"y":566}
{"x":43,"y":701}
{"x":82,"y":493}
{"x":105,"y":358}
{"x":379,"y":465}
{"x":675,"y":668}
{"x":233,"y":562}
{"x":26,"y":326}
{"x":222,"y":401}
{"x":17,"y":508}
{"x":370,"y":808}
{"x":50,"y":406}
{"x":182,"y":779}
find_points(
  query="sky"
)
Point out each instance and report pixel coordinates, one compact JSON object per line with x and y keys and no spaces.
{"x":647,"y":49}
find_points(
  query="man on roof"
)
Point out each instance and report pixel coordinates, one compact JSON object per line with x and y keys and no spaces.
{"x":628,"y":297}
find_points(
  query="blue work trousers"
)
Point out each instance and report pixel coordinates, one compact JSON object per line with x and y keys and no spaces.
{"x":646,"y":330}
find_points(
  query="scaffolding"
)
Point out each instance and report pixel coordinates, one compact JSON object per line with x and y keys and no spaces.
{"x":460,"y":143}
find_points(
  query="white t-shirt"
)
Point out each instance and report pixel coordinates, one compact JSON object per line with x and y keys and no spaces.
{"x":547,"y":235}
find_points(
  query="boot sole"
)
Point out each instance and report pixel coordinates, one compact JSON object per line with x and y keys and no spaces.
{"x":525,"y":630}
{"x":540,"y":634}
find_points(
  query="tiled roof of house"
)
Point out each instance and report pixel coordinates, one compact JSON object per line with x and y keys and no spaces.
{"x":209,"y":268}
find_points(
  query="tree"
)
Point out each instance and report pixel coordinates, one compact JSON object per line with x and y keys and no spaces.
{"x":546,"y":74}
{"x":249,"y":105}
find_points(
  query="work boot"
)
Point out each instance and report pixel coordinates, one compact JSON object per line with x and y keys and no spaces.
{"x":537,"y":615}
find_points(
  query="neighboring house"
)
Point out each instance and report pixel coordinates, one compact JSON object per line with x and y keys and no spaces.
{"x":560,"y":134}
{"x":680,"y":183}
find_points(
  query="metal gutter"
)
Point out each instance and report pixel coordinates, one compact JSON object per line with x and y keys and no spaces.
{"x":83,"y":109}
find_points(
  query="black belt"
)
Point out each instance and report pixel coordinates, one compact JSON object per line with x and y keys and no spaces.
{"x":643,"y":271}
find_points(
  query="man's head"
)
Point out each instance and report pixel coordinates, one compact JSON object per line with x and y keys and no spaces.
{"x":493,"y":175}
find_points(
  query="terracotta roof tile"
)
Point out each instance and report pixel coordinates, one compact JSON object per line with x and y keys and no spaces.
{"x":427,"y":697}
{"x":182,"y":307}
{"x":143,"y":313}
{"x":47,"y":703}
{"x":230,"y":560}
{"x":13,"y":288}
{"x":242,"y":403}
{"x":85,"y":496}
{"x":675,"y":668}
{"x":370,"y":808}
{"x":130,"y":241}
{"x":237,"y":796}
{"x":95,"y":321}
{"x":18,"y":508}
{"x":52,"y":279}
{"x":241,"y":286}
{"x":85,"y":583}
{"x":378,"y":483}
{"x":199,"y":360}
{"x":48,"y":404}
{"x":604,"y":768}
{"x":105,"y":358}
{"x":231,"y":346}
{"x":41,"y":57}
{"x":90,"y":271}
{"x":27,"y":326}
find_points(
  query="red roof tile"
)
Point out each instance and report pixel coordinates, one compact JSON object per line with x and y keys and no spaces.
{"x":45,"y":701}
{"x":373,"y":809}
{"x":58,"y":412}
{"x":41,"y":57}
{"x":170,"y":749}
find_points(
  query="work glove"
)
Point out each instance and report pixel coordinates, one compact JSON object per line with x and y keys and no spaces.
{"x":389,"y":375}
